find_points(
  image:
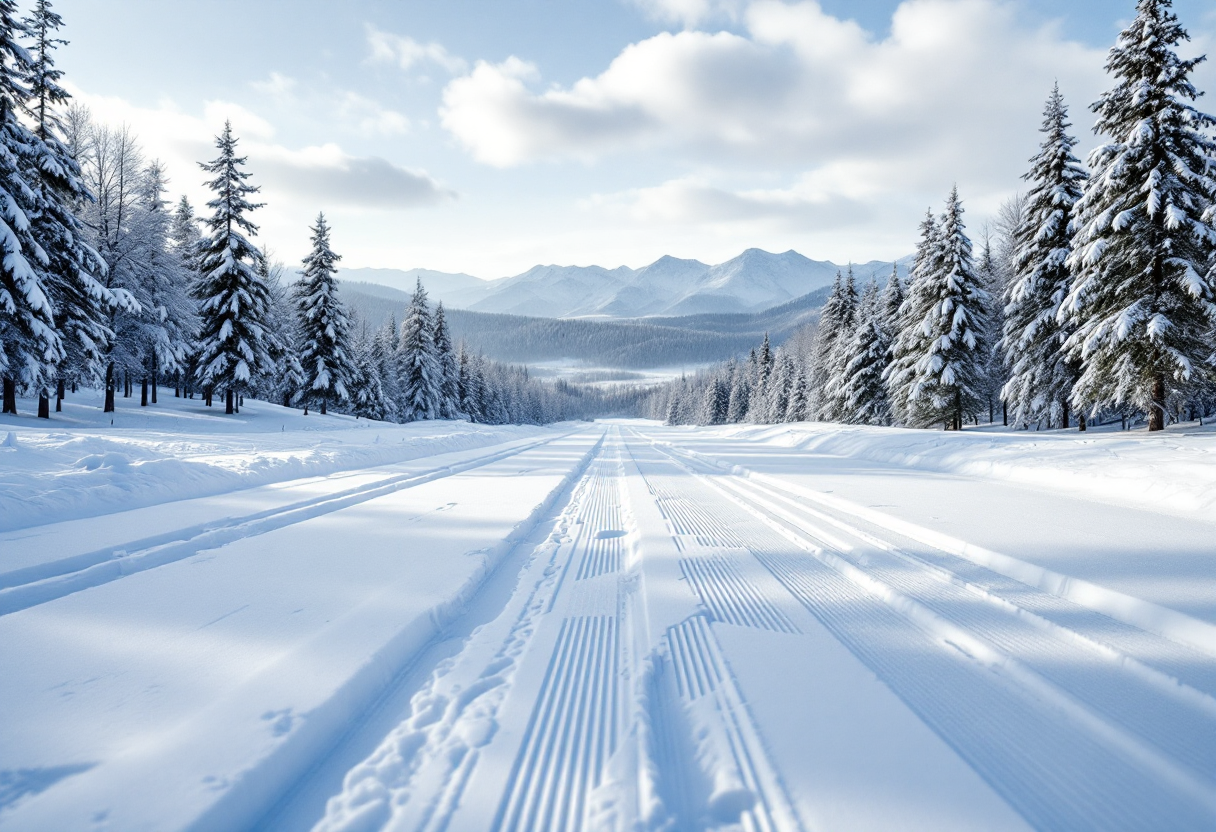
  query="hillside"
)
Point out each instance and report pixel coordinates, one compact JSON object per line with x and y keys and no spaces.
{"x":628,"y":344}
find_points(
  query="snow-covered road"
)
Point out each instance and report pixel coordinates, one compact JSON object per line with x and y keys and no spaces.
{"x":618,"y":626}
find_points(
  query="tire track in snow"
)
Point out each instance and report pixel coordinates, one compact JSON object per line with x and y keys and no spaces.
{"x":572,"y":733}
{"x":1061,"y":766}
{"x":113,"y":563}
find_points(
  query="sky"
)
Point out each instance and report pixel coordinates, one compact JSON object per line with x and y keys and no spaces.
{"x":488,"y":136}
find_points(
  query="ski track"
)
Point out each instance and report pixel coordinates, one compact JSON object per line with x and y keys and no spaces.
{"x":1044,"y":773}
{"x":115,"y":562}
{"x":1079,"y":722}
{"x":572,"y":733}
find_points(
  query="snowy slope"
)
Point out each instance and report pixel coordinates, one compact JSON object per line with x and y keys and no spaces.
{"x":738,"y":628}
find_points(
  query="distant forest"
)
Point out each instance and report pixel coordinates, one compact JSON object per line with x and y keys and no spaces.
{"x":630,"y":344}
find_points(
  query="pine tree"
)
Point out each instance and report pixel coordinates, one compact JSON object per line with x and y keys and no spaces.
{"x":82,"y":304}
{"x":937,"y":372}
{"x":30,"y":346}
{"x":740,"y":395}
{"x":369,"y":399}
{"x":1041,"y":374}
{"x":324,"y":327}
{"x":445,"y":356}
{"x":833,"y":404}
{"x":419,"y":370}
{"x":233,"y":298}
{"x":795,"y":410}
{"x":1143,"y":300}
{"x":890,"y":302}
{"x":832,"y":324}
{"x":863,"y":393}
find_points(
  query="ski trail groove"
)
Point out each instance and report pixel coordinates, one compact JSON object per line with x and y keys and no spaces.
{"x":111,"y":563}
{"x":572,"y":732}
{"x":730,"y":597}
{"x":1045,"y":775}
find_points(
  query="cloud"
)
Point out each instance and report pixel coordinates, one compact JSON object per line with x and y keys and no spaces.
{"x":690,"y":12}
{"x":324,"y":174}
{"x":353,"y":111}
{"x":408,"y":53}
{"x":695,"y":201}
{"x":330,"y":176}
{"x":954,"y":92}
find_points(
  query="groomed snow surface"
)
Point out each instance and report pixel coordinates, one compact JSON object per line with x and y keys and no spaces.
{"x":277,"y":622}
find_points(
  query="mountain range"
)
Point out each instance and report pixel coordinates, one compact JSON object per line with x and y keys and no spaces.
{"x":756,"y":280}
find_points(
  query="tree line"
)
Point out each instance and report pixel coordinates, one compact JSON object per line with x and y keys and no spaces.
{"x":104,"y":284}
{"x":1098,"y":302}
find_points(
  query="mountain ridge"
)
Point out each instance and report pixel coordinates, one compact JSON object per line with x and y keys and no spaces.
{"x":753,"y":281}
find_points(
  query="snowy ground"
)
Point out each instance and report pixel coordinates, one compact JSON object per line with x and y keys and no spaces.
{"x":608,"y":626}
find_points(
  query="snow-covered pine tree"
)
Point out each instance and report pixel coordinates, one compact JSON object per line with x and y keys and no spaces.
{"x":445,"y":357}
{"x":232,"y":297}
{"x":185,"y":241}
{"x":167,"y":323}
{"x":419,"y":371}
{"x":892,"y":298}
{"x":323,"y":325}
{"x":938,"y":365}
{"x":778,"y":395}
{"x":833,"y":404}
{"x":863,"y":393}
{"x":82,"y":304}
{"x":30,"y":346}
{"x":1041,"y":374}
{"x":740,"y":395}
{"x":795,"y":410}
{"x":1143,"y":300}
{"x":827,"y":332}
{"x":368,"y":397}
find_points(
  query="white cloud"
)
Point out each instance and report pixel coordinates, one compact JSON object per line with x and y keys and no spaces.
{"x":690,"y":12}
{"x":276,"y":85}
{"x":408,"y":53}
{"x":324,"y":174}
{"x":695,"y":201}
{"x":351,"y":111}
{"x":954,"y":92}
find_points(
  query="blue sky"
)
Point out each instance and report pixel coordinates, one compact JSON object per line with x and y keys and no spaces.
{"x":489,"y":135}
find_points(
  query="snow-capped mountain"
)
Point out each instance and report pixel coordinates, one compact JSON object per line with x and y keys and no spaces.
{"x":753,"y":281}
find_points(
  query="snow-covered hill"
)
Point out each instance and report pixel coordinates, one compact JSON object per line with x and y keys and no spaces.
{"x":753,"y":281}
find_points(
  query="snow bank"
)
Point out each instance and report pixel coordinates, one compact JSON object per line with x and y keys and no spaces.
{"x":1173,"y":472}
{"x":78,"y":465}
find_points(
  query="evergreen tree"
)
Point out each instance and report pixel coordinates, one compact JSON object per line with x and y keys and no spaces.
{"x":324,"y":328}
{"x":419,"y":370}
{"x":740,"y":395}
{"x":795,"y":410}
{"x":832,"y":323}
{"x":82,"y":304}
{"x":1143,"y":301}
{"x":445,"y":356}
{"x":937,"y":370}
{"x":1041,"y":374}
{"x":233,"y":297}
{"x":862,"y":392}
{"x":890,"y":302}
{"x":30,"y":346}
{"x":369,"y":399}
{"x":833,"y":404}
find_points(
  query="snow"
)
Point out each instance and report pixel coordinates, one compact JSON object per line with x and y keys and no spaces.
{"x":349,"y":626}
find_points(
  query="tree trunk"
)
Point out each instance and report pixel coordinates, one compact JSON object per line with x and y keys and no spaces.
{"x":155,"y":375}
{"x":143,"y":392}
{"x":1081,"y":426}
{"x":109,"y":405}
{"x":44,"y":404}
{"x":1065,"y":407}
{"x":1156,"y":412}
{"x":322,"y":405}
{"x":59,"y":396}
{"x":228,"y":402}
{"x":1005,"y":413}
{"x":207,"y":396}
{"x":10,"y":395}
